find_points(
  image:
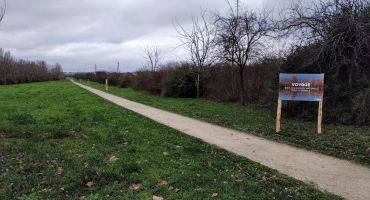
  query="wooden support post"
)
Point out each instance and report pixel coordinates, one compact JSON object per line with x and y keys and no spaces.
{"x":278,"y":117}
{"x":319,"y":119}
{"x":106,"y":85}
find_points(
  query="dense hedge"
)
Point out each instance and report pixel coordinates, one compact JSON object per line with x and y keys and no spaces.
{"x":179,"y":82}
{"x":219,"y":82}
{"x":13,"y":71}
{"x":343,"y":102}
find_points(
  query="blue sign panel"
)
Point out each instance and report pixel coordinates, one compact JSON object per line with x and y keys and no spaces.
{"x":301,"y":87}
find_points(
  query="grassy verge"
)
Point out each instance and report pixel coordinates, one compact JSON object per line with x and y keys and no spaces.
{"x":346,"y":142}
{"x":61,"y":142}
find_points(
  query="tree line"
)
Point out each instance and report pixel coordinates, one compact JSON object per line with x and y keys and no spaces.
{"x":228,"y":60}
{"x":14,"y":71}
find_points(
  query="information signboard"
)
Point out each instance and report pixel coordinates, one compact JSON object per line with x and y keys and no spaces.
{"x":301,"y":87}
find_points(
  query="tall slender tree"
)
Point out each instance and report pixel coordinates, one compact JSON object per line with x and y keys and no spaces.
{"x":240,"y":36}
{"x":199,"y":42}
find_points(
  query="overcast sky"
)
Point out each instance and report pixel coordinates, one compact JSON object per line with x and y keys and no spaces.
{"x":81,"y":33}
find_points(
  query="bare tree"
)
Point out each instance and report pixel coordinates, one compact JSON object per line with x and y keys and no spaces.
{"x":2,"y":11}
{"x":240,"y":36}
{"x":13,"y":71}
{"x":339,"y":29}
{"x":56,"y":72}
{"x":153,"y":57}
{"x":199,"y":42}
{"x":335,"y":40}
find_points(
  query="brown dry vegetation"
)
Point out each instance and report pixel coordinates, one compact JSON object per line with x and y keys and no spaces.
{"x":13,"y":71}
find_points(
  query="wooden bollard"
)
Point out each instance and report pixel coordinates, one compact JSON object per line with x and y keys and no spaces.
{"x":106,"y":85}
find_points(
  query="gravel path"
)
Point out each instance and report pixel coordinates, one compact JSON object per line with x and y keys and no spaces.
{"x":336,"y":176}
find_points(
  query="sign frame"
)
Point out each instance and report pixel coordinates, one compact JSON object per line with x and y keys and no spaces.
{"x":301,"y":87}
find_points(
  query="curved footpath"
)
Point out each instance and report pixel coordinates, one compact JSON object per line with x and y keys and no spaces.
{"x":336,"y":176}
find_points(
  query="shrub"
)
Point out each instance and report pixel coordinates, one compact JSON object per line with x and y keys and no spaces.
{"x":222,"y":82}
{"x":180,"y":82}
{"x":126,"y":80}
{"x":150,"y":81}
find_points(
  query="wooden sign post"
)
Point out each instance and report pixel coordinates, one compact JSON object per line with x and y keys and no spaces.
{"x":319,"y":119}
{"x":106,"y":85}
{"x":278,"y":116}
{"x":301,"y":87}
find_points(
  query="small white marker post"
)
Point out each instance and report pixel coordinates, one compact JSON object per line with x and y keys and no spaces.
{"x":106,"y":85}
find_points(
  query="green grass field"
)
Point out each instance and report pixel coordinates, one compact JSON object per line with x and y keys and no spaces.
{"x":346,"y":142}
{"x":60,"y":142}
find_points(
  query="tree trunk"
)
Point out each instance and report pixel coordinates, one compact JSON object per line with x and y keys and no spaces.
{"x":242,"y":88}
{"x":350,"y":80}
{"x":232,"y":71}
{"x":197,"y":83}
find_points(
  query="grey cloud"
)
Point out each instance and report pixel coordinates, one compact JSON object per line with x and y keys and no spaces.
{"x":80,"y":33}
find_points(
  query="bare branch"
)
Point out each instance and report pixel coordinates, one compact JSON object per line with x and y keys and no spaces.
{"x":153,"y":57}
{"x":339,"y":30}
{"x":199,"y":40}
{"x":2,"y":11}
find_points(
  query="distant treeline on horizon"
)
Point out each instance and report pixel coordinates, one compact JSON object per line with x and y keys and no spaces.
{"x":14,"y":71}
